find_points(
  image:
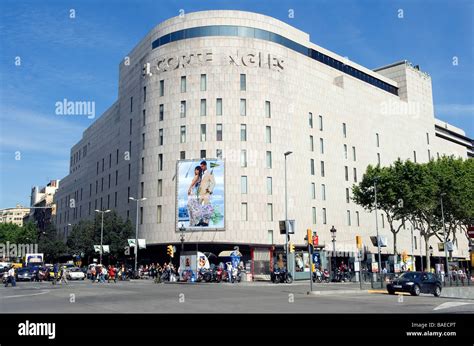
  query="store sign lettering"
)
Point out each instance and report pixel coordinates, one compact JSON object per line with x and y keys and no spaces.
{"x":257,"y":60}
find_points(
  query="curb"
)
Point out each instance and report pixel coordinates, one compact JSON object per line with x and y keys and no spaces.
{"x":335,"y":292}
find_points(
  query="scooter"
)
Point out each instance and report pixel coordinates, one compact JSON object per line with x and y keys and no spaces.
{"x":326,"y":276}
{"x":317,"y":276}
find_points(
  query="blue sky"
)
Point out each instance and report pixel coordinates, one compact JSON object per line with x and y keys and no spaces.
{"x":78,"y":59}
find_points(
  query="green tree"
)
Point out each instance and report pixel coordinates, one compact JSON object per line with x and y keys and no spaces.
{"x":390,"y":193}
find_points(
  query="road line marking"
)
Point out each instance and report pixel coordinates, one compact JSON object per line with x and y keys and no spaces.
{"x":448,"y":305}
{"x":26,"y":295}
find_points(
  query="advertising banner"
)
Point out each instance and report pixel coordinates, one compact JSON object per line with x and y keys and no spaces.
{"x":200,"y":194}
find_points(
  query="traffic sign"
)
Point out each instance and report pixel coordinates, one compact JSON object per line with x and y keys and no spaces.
{"x":315,"y":240}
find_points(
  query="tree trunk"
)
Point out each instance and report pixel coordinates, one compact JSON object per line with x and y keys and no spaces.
{"x":427,"y":250}
{"x":395,"y":252}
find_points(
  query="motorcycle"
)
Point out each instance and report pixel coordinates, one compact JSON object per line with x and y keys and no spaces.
{"x":281,"y":276}
{"x":5,"y":278}
{"x":317,"y":276}
{"x":326,"y":276}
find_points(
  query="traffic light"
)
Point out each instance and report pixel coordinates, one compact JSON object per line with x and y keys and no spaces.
{"x":309,"y":236}
{"x":359,"y":242}
{"x":170,"y":250}
{"x":292,"y":247}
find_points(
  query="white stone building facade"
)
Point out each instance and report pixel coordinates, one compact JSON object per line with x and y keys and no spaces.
{"x":268,"y":90}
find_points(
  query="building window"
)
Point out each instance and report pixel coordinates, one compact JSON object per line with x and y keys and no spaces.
{"x":243,"y":212}
{"x":269,"y":186}
{"x":203,"y":154}
{"x":324,"y":216}
{"x":130,"y":126}
{"x":219,"y":154}
{"x":269,"y":159}
{"x":415,"y":242}
{"x":414,"y":156}
{"x":270,"y":236}
{"x":311,"y":143}
{"x":344,"y":130}
{"x":243,"y":82}
{"x":378,"y":159}
{"x":357,"y":218}
{"x":218,"y":106}
{"x":142,"y":189}
{"x":219,"y":132}
{"x":345,"y":151}
{"x":320,"y":123}
{"x":312,"y":166}
{"x":269,"y":212}
{"x":143,"y":141}
{"x":162,"y":112}
{"x":116,"y":157}
{"x":182,"y":155}
{"x":102,"y":184}
{"x":203,"y":107}
{"x":321,"y":146}
{"x":310,"y":119}
{"x":243,"y":107}
{"x":268,"y":111}
{"x":162,"y":88}
{"x":144,"y":117}
{"x":131,"y":104}
{"x":322,"y":169}
{"x":160,"y":137}
{"x":108,"y":184}
{"x":143,"y":165}
{"x":129,"y":170}
{"x":182,"y":109}
{"x":141,"y":215}
{"x":203,"y":132}
{"x":429,"y":155}
{"x":144,"y":94}
{"x":427,"y":138}
{"x":346,"y":173}
{"x":354,"y":157}
{"x":116,"y":178}
{"x":203,"y":82}
{"x":313,"y":191}
{"x":243,"y":132}
{"x":355,"y":175}
{"x":183,"y":84}
{"x":160,"y":162}
{"x":158,"y":214}
{"x":313,"y":213}
{"x":268,"y":134}
{"x":160,"y":188}
{"x":377,"y":140}
{"x":243,"y":158}
{"x":348,"y":217}
{"x":128,"y":214}
{"x":128,"y":194}
{"x":183,"y":134}
{"x":243,"y":185}
{"x":383,"y":220}
{"x":348,"y":197}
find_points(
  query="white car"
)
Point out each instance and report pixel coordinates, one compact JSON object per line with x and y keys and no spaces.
{"x":75,"y":273}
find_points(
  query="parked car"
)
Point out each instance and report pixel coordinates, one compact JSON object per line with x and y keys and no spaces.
{"x":75,"y":273}
{"x":25,"y":274}
{"x":416,"y":283}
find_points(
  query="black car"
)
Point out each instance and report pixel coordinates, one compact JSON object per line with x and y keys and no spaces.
{"x":416,"y":283}
{"x":25,"y":274}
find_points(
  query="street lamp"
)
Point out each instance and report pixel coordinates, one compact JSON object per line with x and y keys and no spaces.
{"x":181,"y":230}
{"x":444,"y":236}
{"x":333,"y":264}
{"x":138,"y":200}
{"x":102,"y":212}
{"x":377,"y":229}
{"x":431,"y":253}
{"x":286,"y":211}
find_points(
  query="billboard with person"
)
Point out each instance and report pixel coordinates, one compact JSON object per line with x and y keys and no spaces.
{"x":200,"y":194}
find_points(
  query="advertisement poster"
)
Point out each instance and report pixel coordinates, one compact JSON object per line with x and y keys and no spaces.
{"x":375,"y":267}
{"x":200,"y":200}
{"x":188,"y":267}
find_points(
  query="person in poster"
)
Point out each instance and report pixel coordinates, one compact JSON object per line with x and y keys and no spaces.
{"x":206,"y":187}
{"x":200,"y":194}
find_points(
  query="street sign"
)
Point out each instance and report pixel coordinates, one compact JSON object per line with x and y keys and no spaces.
{"x":315,"y":240}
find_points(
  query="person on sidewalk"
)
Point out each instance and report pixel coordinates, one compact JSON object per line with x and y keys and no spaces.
{"x":63,"y":276}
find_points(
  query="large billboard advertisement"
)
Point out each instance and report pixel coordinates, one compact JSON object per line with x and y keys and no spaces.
{"x":200,"y":194}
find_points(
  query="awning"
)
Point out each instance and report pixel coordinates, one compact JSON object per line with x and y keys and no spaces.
{"x":229,"y":253}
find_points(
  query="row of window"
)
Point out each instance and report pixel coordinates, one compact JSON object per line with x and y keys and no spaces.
{"x":244,"y":31}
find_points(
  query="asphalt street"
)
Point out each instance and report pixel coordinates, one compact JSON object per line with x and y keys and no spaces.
{"x":144,"y":296}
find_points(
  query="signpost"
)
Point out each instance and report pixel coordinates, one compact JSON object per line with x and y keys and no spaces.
{"x":309,"y":237}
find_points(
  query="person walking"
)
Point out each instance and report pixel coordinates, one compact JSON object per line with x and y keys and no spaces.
{"x":11,"y":277}
{"x":63,"y":276}
{"x":55,"y":271}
